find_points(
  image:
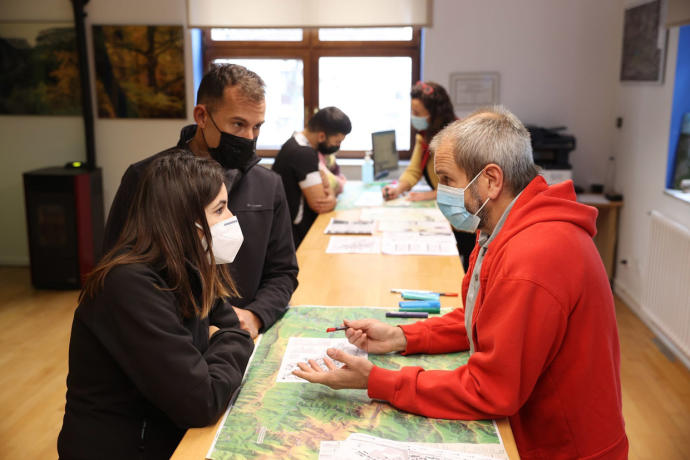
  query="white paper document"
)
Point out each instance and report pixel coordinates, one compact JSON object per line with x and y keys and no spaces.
{"x":402,"y":214}
{"x":350,"y":227}
{"x":302,"y":349}
{"x":398,"y":202}
{"x":414,"y":243}
{"x":419,"y":226}
{"x":363,"y":446}
{"x":354,"y":245}
{"x":369,"y":198}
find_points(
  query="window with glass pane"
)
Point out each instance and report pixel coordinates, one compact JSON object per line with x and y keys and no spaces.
{"x":366,"y":34}
{"x":373,"y":91}
{"x":284,"y":80}
{"x":257,"y":35}
{"x":308,"y":68}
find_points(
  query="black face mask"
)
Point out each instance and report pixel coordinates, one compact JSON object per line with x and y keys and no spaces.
{"x":327,"y":149}
{"x":233,"y":152}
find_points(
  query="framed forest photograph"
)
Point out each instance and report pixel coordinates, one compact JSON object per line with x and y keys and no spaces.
{"x":39,"y":69}
{"x":139,"y":71}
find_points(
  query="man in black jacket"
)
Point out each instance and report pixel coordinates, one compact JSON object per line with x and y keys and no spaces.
{"x":229,"y":113}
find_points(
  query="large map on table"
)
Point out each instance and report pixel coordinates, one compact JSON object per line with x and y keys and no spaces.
{"x":289,"y":420}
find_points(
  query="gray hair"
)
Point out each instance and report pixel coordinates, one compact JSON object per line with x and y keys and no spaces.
{"x":491,"y":135}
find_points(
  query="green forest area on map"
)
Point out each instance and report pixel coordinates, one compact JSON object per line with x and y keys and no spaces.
{"x":289,"y":420}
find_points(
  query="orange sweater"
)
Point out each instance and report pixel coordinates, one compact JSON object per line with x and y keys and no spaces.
{"x":547,"y":352}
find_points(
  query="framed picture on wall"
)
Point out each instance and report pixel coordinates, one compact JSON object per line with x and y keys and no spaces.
{"x":139,"y":71}
{"x":472,"y":90}
{"x":39,"y":69}
{"x":644,"y":43}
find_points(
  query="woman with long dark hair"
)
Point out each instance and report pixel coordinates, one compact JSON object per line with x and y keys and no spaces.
{"x":431,"y":111}
{"x":153,"y":349}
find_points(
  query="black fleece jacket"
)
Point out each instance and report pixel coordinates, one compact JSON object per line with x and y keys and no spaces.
{"x":265,"y":269}
{"x":140,"y":374}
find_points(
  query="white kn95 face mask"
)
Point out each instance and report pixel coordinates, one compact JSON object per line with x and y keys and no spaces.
{"x":226,"y":237}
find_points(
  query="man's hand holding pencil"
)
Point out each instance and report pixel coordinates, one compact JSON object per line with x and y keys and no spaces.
{"x":371,"y":335}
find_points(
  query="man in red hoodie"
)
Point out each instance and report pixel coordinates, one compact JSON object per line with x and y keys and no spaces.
{"x":539,"y":317}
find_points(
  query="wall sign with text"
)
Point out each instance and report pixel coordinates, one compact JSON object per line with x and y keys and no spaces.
{"x":472,"y":90}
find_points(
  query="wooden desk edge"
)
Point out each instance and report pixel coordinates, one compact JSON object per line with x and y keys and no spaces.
{"x":197,"y":441}
{"x":610,"y":204}
{"x":507,"y":438}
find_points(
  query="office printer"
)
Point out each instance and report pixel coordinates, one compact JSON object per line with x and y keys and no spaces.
{"x":550,"y":149}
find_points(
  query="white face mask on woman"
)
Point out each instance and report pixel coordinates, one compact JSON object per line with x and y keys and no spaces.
{"x":226,"y":237}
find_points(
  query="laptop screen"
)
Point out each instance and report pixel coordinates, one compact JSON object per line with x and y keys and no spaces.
{"x":385,"y":152}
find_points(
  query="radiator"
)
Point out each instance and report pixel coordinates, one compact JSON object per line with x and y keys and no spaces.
{"x":666,"y":299}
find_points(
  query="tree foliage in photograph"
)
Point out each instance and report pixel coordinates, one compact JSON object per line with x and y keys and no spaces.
{"x":140,"y":71}
{"x":42,"y":79}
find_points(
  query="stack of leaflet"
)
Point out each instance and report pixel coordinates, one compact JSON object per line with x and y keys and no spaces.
{"x":419,"y":226}
{"x":403,"y":214}
{"x":363,"y":446}
{"x":354,"y":245}
{"x":417,"y":243}
{"x":350,"y":227}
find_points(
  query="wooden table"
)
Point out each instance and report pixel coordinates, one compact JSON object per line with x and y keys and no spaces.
{"x":356,"y":280}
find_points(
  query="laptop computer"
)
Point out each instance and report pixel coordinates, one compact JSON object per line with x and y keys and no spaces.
{"x":385,"y":153}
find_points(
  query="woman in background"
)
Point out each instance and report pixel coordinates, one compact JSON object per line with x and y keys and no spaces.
{"x":153,"y":351}
{"x":431,"y":111}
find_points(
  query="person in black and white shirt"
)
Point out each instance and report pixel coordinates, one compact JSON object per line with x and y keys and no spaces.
{"x":306,"y":184}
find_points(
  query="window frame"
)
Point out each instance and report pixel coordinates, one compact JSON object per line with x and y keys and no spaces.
{"x":309,"y":50}
{"x":680,"y":105}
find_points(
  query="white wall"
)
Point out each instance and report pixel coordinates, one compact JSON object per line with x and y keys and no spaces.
{"x":556,"y":59}
{"x":642,"y":155}
{"x":31,"y":142}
